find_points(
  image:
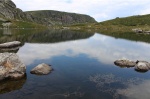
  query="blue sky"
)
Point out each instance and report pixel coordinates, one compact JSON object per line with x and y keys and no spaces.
{"x":101,"y":10}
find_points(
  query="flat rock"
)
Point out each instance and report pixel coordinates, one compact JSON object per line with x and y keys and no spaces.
{"x":125,"y":63}
{"x":41,"y":69}
{"x":10,"y":44}
{"x":142,"y":66}
{"x":11,"y":66}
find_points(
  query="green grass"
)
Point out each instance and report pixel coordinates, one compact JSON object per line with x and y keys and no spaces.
{"x":23,"y":24}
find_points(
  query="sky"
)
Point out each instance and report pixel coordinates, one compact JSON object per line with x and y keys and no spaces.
{"x":101,"y":10}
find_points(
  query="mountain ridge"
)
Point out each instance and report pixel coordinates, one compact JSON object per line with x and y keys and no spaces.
{"x":9,"y":12}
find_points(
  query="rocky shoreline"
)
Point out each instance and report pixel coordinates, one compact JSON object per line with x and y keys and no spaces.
{"x":11,"y":67}
{"x":140,"y":66}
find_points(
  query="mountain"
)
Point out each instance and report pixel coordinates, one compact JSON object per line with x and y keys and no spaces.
{"x":61,"y":18}
{"x":10,"y":13}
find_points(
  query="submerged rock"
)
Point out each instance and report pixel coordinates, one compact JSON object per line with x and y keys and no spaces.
{"x":41,"y":69}
{"x":10,"y":44}
{"x":11,"y":66}
{"x":142,"y":66}
{"x":125,"y":63}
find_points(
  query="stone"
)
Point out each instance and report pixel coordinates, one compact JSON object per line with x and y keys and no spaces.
{"x":137,"y":30}
{"x":11,"y":66}
{"x":10,"y":44}
{"x":142,"y":66}
{"x":41,"y":69}
{"x":125,"y":63}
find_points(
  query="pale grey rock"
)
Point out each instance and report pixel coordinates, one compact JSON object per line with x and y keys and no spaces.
{"x":10,"y":44}
{"x":41,"y":69}
{"x":125,"y":63}
{"x":142,"y":66}
{"x":11,"y":66}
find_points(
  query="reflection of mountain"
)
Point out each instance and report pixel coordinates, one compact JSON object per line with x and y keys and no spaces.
{"x":103,"y":48}
{"x":47,"y":36}
{"x":130,"y":36}
{"x":8,"y":86}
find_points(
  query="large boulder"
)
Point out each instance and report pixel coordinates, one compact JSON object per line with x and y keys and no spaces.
{"x":11,"y":66}
{"x":41,"y":69}
{"x":125,"y":63}
{"x":142,"y":66}
{"x":10,"y":44}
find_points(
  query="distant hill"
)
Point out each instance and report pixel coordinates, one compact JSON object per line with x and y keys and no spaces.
{"x":130,"y":21}
{"x":10,"y":13}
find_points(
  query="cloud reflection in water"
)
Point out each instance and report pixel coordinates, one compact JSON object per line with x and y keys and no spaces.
{"x":103,"y":48}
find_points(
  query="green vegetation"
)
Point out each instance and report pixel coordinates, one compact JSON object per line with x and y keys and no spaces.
{"x":118,"y":25}
{"x":24,"y":24}
{"x":130,"y":21}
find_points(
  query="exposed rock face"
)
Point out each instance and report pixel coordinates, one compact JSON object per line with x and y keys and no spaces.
{"x":61,"y":18}
{"x":9,"y":11}
{"x":41,"y":69}
{"x":10,"y":44}
{"x":125,"y":63}
{"x":11,"y":66}
{"x":142,"y":66}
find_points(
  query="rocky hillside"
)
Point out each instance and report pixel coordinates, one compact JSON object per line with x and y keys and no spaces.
{"x":61,"y":18}
{"x":9,"y":11}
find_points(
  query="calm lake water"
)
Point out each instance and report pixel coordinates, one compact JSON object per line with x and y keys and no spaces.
{"x":83,"y":66}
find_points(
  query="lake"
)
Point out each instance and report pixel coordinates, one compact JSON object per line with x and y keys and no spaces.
{"x":83,"y":64}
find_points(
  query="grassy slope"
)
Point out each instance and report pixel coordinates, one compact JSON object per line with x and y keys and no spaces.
{"x":22,"y":24}
{"x":118,"y":25}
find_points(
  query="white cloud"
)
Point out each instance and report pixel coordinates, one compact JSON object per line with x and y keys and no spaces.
{"x":140,"y":91}
{"x":145,"y":11}
{"x":102,"y":48}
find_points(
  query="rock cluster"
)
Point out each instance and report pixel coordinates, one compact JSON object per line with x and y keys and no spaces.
{"x":11,"y":66}
{"x":140,"y":31}
{"x":141,"y":66}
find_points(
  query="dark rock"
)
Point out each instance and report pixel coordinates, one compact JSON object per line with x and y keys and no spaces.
{"x":10,"y":50}
{"x":142,"y":66}
{"x":11,"y":85}
{"x":125,"y":63}
{"x":10,"y":44}
{"x":41,"y":69}
{"x":11,"y":66}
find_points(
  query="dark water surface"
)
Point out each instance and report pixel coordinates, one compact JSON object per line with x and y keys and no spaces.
{"x":83,"y":66}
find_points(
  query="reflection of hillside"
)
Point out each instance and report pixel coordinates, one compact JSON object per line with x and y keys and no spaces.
{"x":8,"y":86}
{"x":47,"y":36}
{"x":131,"y":36}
